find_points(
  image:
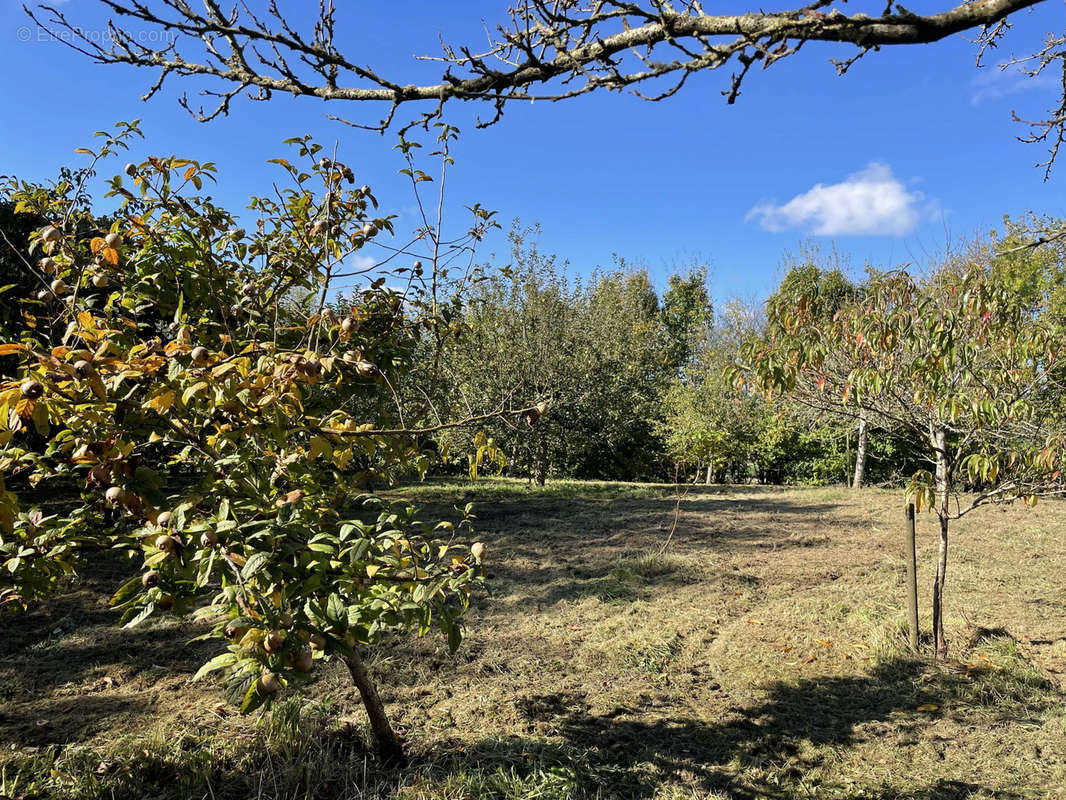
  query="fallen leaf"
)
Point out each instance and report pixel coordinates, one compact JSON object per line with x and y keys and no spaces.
{"x":928,"y":707}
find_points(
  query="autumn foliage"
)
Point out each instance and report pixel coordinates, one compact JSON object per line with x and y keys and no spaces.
{"x":175,"y":398}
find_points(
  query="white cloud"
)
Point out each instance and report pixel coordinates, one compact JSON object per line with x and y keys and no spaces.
{"x":358,"y":261}
{"x":1002,"y":81}
{"x":873,"y":202}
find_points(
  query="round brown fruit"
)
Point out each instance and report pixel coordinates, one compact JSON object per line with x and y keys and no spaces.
{"x":269,"y":684}
{"x":542,"y":408}
{"x":311,"y":368}
{"x":59,"y":286}
{"x":113,"y":240}
{"x":366,"y":369}
{"x":285,"y":620}
{"x":44,"y":294}
{"x":274,"y":641}
{"x":83,"y":369}
{"x":234,"y":632}
{"x":477,"y":550}
{"x":47,"y":265}
{"x":168,"y":544}
{"x":304,"y":660}
{"x":163,"y":519}
{"x":115,"y":495}
{"x":31,"y":389}
{"x":150,"y":579}
{"x":166,"y":602}
{"x":200,"y":355}
{"x":369,"y":230}
{"x":349,"y":325}
{"x":317,"y":641}
{"x":208,"y":539}
{"x":131,"y":170}
{"x":51,"y":234}
{"x":100,"y":280}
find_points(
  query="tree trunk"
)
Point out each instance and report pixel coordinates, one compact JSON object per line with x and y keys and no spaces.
{"x":388,"y":744}
{"x":943,"y":497}
{"x":710,"y":473}
{"x":860,"y":454}
{"x":540,"y":474}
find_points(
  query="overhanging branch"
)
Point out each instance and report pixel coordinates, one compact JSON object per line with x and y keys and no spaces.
{"x":548,"y":50}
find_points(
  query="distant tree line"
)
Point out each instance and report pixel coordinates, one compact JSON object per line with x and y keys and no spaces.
{"x":640,"y":384}
{"x":637,"y":382}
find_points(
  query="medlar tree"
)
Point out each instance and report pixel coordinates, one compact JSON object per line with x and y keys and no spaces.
{"x":174,"y":386}
{"x":957,"y":361}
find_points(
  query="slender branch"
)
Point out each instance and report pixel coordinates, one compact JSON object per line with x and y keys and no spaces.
{"x":548,"y":50}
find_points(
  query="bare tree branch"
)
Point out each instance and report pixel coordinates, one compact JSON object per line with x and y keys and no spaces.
{"x":548,"y":50}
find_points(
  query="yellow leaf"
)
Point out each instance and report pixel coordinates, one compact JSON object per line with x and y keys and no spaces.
{"x":98,"y":387}
{"x":111,"y":256}
{"x":222,"y":369}
{"x":192,"y":391}
{"x":96,"y":243}
{"x":341,"y":458}
{"x":24,"y":407}
{"x":8,"y":349}
{"x":190,"y":172}
{"x":320,"y":446}
{"x":928,"y":707}
{"x":163,"y":401}
{"x":371,"y":570}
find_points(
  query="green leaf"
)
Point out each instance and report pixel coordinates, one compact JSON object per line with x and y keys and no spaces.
{"x":216,"y":663}
{"x":254,"y":564}
{"x":126,"y":591}
{"x":252,"y":699}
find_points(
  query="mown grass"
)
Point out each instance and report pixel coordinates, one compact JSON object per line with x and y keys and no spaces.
{"x":760,"y":654}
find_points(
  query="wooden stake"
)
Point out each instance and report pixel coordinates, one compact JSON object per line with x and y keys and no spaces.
{"x":911,"y":558}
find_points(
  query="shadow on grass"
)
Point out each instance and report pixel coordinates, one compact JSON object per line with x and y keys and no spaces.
{"x":770,"y":750}
{"x":66,"y":720}
{"x":549,"y":550}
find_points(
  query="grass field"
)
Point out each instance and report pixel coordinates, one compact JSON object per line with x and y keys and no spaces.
{"x":758,"y":652}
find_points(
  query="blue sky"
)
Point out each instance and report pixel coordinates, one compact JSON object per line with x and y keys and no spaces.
{"x":915,"y":147}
